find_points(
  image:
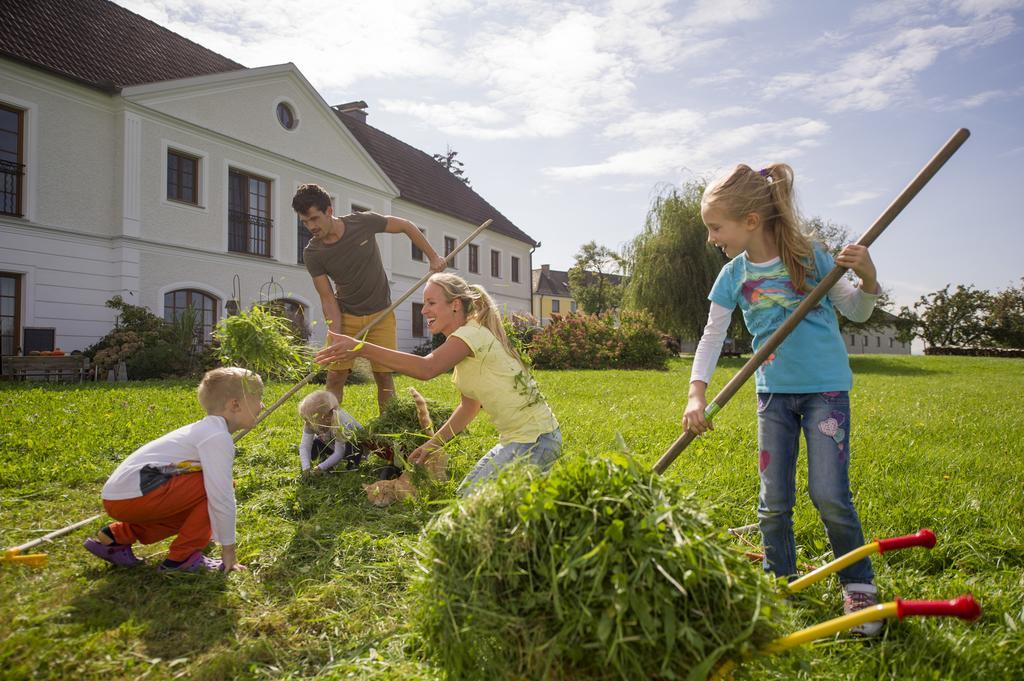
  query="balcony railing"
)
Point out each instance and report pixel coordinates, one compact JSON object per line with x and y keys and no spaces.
{"x":10,"y":187}
{"x":249,"y":233}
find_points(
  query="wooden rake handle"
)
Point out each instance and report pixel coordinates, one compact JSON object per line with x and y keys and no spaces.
{"x":820,"y":291}
{"x":309,"y":377}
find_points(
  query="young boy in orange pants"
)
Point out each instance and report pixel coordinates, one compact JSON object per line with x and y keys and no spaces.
{"x":181,"y":484}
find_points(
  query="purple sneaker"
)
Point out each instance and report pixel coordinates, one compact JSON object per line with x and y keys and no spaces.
{"x":197,"y":562}
{"x":121,"y":556}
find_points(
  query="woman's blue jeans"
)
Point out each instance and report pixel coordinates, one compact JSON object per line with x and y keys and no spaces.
{"x":825,"y":421}
{"x":541,"y":453}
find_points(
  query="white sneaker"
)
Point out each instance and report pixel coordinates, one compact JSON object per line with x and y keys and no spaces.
{"x":857,"y":597}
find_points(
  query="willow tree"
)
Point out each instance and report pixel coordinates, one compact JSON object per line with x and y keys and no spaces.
{"x":671,"y":266}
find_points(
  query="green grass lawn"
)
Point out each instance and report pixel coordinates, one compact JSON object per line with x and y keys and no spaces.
{"x":937,"y":442}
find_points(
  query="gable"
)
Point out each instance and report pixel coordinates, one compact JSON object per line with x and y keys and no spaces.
{"x":243,"y":104}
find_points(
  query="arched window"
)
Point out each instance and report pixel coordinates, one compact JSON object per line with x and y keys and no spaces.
{"x":295,"y":312}
{"x":203,"y":305}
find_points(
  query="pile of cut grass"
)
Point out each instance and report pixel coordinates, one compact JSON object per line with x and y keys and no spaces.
{"x":600,"y":570}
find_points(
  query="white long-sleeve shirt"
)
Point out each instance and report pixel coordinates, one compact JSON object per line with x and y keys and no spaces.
{"x":205,"y":446}
{"x":344,"y":426}
{"x":851,"y":301}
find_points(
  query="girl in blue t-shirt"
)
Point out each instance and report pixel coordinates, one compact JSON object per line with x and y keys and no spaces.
{"x":804,"y":385}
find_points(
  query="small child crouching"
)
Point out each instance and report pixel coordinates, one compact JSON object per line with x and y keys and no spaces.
{"x":181,"y":484}
{"x":326,"y":431}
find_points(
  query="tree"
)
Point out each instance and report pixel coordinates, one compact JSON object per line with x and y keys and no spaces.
{"x":452,"y":164}
{"x":944,"y":319}
{"x":591,"y":280}
{"x":1004,"y":317}
{"x":835,"y":237}
{"x":670,"y":265}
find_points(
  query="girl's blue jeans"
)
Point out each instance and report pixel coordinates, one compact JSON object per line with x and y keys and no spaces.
{"x":541,"y":453}
{"x":825,"y":421}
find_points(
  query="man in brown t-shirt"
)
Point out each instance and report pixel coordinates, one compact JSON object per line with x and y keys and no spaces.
{"x":344,"y":251}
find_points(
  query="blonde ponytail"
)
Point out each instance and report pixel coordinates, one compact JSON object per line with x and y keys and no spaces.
{"x":769,"y":193}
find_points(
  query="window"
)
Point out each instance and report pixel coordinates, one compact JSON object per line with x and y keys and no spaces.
{"x":556,"y":305}
{"x":878,"y":341}
{"x":515,"y":269}
{"x":474,"y":259}
{"x":418,"y":324}
{"x":572,"y":306}
{"x":890,"y":342}
{"x":294,"y":312}
{"x":304,"y":237}
{"x":853,"y":341}
{"x":12,"y":160}
{"x":249,"y":222}
{"x":865,"y":341}
{"x":182,"y":177}
{"x":495,"y":263}
{"x":10,"y":313}
{"x":357,"y":208}
{"x":449,"y":246}
{"x":286,"y":116}
{"x":417,"y":254}
{"x":176,"y":303}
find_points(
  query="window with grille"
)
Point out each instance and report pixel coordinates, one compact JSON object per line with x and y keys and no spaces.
{"x":249,"y":223}
{"x":515,"y":269}
{"x":495,"y":263}
{"x":12,"y":160}
{"x":474,"y":259}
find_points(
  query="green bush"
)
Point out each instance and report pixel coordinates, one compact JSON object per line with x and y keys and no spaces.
{"x":149,"y":346}
{"x":599,"y":570}
{"x":625,"y":340}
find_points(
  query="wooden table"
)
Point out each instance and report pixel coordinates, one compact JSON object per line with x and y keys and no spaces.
{"x":69,"y":368}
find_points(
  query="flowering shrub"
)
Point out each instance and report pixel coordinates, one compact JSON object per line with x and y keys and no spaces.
{"x":626,"y":340}
{"x":149,"y":346}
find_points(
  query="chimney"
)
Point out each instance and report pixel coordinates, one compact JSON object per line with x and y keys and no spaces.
{"x":545,"y":268}
{"x":355,"y":109}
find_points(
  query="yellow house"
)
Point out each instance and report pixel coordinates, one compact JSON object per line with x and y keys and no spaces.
{"x":551,"y":294}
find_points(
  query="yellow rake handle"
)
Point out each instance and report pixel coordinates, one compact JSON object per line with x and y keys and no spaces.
{"x":963,"y":607}
{"x":923,"y":537}
{"x":29,"y":559}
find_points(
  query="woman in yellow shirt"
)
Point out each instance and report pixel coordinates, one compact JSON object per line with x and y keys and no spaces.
{"x":488,"y":373}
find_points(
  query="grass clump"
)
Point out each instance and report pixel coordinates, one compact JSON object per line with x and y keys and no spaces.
{"x":397,"y":429}
{"x":263,"y":342}
{"x":599,"y":570}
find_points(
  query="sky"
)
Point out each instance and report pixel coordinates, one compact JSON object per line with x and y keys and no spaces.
{"x":570,"y":117}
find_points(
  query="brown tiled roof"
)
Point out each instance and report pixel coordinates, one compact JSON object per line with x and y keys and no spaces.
{"x":100,"y":44}
{"x":556,"y":282}
{"x":551,"y":283}
{"x":423,"y":181}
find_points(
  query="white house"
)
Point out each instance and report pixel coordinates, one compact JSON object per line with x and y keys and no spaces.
{"x":135,"y":162}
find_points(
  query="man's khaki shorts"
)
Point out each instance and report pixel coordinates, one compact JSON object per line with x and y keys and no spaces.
{"x":384,"y":333}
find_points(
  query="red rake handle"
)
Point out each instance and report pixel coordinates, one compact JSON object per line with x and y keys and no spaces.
{"x":923,"y":537}
{"x":963,"y":607}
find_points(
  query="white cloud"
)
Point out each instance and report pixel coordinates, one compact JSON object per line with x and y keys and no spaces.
{"x":984,"y":8}
{"x":853,"y":198}
{"x":724,"y":76}
{"x":718,"y":12}
{"x":878,"y":76}
{"x":977,"y":100}
{"x":697,"y":148}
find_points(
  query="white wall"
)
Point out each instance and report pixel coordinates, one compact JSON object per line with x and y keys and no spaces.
{"x":98,"y":222}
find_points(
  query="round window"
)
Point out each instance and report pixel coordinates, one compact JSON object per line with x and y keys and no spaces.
{"x":285,"y":116}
